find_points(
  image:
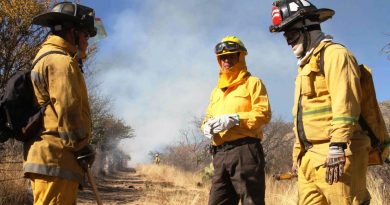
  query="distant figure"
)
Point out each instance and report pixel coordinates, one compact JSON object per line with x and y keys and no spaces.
{"x":331,"y":150}
{"x":237,"y":111}
{"x":157,"y":159}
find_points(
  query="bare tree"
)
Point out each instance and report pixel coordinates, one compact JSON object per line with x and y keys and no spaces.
{"x":277,"y":144}
{"x":18,"y":39}
{"x":189,"y":152}
{"x":386,"y":49}
{"x":108,"y":131}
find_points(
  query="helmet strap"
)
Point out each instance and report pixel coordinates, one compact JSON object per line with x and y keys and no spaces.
{"x":306,"y":41}
{"x":77,"y":42}
{"x":76,"y":37}
{"x":306,"y":34}
{"x":312,"y":27}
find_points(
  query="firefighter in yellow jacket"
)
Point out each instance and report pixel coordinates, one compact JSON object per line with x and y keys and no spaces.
{"x":237,"y":111}
{"x":331,"y":150}
{"x":157,"y":159}
{"x":51,"y":158}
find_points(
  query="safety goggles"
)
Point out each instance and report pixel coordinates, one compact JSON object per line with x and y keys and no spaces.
{"x":228,"y":46}
{"x":292,"y":36}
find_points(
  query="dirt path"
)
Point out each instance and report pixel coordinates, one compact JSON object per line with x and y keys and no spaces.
{"x":150,"y":185}
{"x":121,"y":188}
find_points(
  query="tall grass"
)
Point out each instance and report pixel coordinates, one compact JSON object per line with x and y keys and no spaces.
{"x":168,"y":185}
{"x":378,"y":191}
{"x":176,"y":187}
{"x":13,"y":187}
{"x":280,"y":192}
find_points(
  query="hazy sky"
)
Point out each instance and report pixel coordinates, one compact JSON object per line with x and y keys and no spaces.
{"x":158,"y":65}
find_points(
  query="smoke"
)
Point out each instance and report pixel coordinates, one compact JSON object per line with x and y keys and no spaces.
{"x":158,"y":65}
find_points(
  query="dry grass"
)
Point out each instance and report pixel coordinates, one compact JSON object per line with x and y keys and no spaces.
{"x":167,"y":185}
{"x":280,"y":192}
{"x":12,"y":184}
{"x":377,"y":189}
{"x":176,"y":187}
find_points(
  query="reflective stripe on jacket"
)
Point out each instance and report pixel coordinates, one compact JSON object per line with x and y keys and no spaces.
{"x":330,"y":103}
{"x":67,"y":119}
{"x":250,"y":101}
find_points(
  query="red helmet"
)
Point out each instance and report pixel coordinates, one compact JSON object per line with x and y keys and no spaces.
{"x":67,"y":12}
{"x":287,"y":12}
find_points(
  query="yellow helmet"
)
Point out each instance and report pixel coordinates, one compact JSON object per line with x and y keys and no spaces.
{"x":230,"y":44}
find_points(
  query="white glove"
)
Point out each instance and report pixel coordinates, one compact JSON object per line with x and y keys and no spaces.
{"x":223,"y":122}
{"x":207,"y":130}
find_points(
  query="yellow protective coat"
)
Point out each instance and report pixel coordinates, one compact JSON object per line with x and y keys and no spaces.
{"x":67,"y":119}
{"x":246,"y":97}
{"x":330,"y":103}
{"x":330,"y":110}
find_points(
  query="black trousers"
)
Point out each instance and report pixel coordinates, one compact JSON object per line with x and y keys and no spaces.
{"x":238,"y":175}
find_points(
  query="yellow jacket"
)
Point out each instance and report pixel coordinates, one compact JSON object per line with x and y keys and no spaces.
{"x":330,"y":104}
{"x":249,"y":100}
{"x":67,"y":119}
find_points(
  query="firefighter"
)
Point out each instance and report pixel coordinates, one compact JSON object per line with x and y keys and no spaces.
{"x":238,"y":109}
{"x":331,"y":150}
{"x":51,"y":158}
{"x":157,"y":159}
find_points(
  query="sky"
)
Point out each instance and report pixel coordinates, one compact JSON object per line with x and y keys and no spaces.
{"x":158,"y":63}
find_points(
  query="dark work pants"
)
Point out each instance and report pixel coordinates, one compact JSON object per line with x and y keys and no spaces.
{"x":238,"y":176}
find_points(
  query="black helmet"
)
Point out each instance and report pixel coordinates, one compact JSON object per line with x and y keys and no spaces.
{"x":67,"y":12}
{"x":288,"y":12}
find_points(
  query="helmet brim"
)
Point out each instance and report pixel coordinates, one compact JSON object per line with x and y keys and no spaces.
{"x":322,"y":14}
{"x":51,"y":19}
{"x":227,"y":52}
{"x":230,"y":52}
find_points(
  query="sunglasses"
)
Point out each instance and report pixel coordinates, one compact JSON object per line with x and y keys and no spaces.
{"x":292,"y":36}
{"x":228,"y":46}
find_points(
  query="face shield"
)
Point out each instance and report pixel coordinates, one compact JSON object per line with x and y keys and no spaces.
{"x":100,"y":32}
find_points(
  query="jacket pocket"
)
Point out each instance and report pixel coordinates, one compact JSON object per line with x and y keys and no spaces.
{"x":241,"y":101}
{"x":307,"y":83}
{"x":321,"y":87}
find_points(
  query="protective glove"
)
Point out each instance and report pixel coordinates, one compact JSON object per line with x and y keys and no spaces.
{"x":207,"y":130}
{"x":334,"y":164}
{"x":223,"y":122}
{"x":86,"y":156}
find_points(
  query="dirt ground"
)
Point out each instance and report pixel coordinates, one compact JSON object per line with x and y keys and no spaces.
{"x":121,"y":188}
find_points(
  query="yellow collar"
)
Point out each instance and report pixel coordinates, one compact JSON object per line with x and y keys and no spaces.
{"x":235,"y":76}
{"x":60,"y":43}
